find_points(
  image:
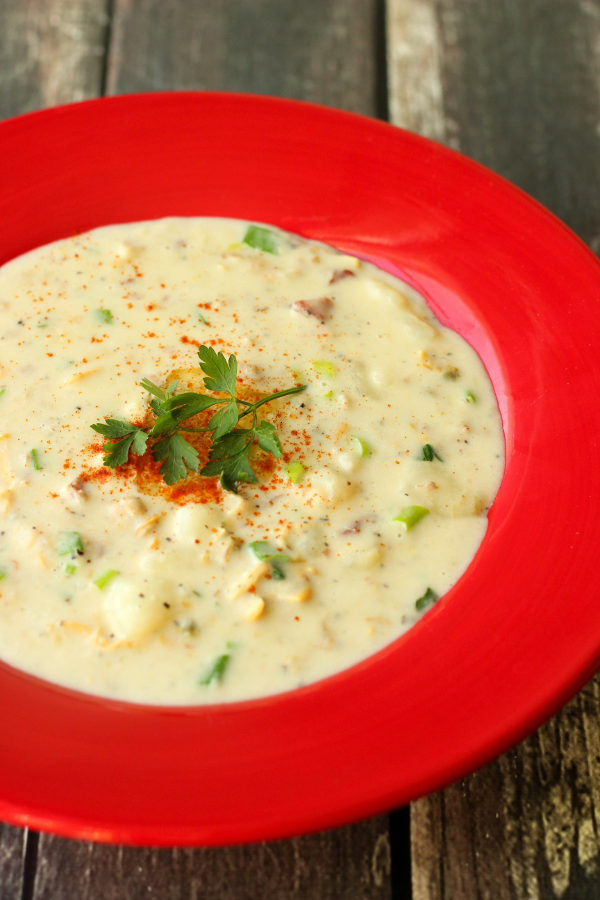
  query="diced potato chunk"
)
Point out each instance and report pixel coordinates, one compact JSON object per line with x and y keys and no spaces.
{"x":196,"y":522}
{"x":414,"y":322}
{"x":133,"y":611}
{"x":306,"y":541}
{"x":331,"y":486}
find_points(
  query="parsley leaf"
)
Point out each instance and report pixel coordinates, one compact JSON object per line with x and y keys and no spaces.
{"x":229,"y":459}
{"x":116,"y":452}
{"x":221,"y":373}
{"x":114,"y":428}
{"x":267,"y":439}
{"x":224,"y":420}
{"x":178,"y":456}
{"x":230,"y":445}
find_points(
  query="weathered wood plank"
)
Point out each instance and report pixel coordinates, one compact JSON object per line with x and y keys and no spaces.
{"x":13,"y":843}
{"x":50,"y":52}
{"x":521,"y":94}
{"x":350,"y":863}
{"x":514,"y":85}
{"x":526,"y":826}
{"x":414,"y":68}
{"x":318,"y":50}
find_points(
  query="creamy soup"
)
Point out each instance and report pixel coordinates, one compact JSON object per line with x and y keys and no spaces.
{"x":113,"y":581}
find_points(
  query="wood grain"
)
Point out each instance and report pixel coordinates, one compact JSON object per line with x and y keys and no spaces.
{"x":318,"y":50}
{"x":12,"y":861}
{"x":521,"y":94}
{"x":50,"y":52}
{"x":514,"y":85}
{"x":414,"y":68}
{"x":352,"y":862}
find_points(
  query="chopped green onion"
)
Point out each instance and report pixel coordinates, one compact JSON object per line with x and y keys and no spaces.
{"x":105,"y":579}
{"x":324,"y":367}
{"x":262,"y":549}
{"x":329,"y":395}
{"x":364,"y":449}
{"x":277,"y":573}
{"x":428,"y":453}
{"x":35,"y":460}
{"x":216,"y":671}
{"x":69,"y":544}
{"x":104,"y":315}
{"x":265,"y":552}
{"x":470,"y":397}
{"x":70,"y":569}
{"x":410,"y":515}
{"x":260,"y":239}
{"x":426,"y":599}
{"x":2,"y":391}
{"x":295,"y":471}
{"x":2,"y":574}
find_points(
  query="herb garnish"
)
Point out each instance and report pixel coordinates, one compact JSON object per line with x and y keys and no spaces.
{"x":427,"y":599}
{"x":411,"y":515}
{"x":260,"y":239}
{"x":69,"y":543}
{"x":229,"y":454}
{"x":35,"y":459}
{"x":265,"y":552}
{"x":428,"y":453}
{"x":217,"y":670}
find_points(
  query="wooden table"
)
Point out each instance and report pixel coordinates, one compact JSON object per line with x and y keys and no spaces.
{"x":514,"y":84}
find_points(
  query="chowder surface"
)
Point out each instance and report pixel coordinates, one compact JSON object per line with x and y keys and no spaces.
{"x":116,"y":584}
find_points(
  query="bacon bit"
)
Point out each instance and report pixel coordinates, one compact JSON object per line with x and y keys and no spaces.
{"x":319,"y":308}
{"x":79,"y":485}
{"x":353,"y":529}
{"x":341,"y":273}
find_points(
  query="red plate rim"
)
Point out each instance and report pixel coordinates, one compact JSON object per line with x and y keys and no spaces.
{"x":517,"y":636}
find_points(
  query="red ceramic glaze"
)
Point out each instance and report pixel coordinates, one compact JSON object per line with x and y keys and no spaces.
{"x":507,"y":646}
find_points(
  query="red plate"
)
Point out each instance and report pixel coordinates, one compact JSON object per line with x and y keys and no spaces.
{"x":507,"y":646}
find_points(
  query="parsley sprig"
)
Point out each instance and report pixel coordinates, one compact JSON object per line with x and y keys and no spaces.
{"x":229,"y":452}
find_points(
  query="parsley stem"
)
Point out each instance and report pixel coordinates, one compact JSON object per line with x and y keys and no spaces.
{"x":254,"y":406}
